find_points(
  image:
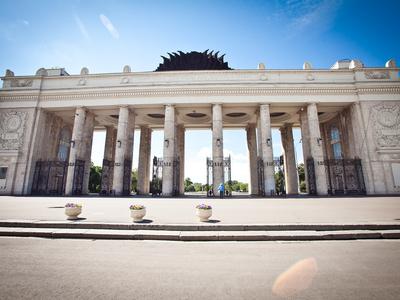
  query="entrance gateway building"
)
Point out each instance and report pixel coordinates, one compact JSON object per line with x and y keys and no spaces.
{"x":349,"y":116}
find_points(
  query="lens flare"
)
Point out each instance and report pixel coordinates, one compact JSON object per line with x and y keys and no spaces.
{"x":296,"y":279}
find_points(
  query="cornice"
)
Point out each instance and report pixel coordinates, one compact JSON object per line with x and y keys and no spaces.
{"x":181,"y":92}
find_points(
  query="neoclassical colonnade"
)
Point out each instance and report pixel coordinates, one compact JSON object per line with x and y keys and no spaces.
{"x":118,"y":151}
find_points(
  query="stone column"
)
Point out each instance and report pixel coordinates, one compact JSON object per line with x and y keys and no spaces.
{"x":252,"y":147}
{"x":266,"y":150}
{"x":87,"y":150}
{"x":169,"y":151}
{"x":180,"y":153}
{"x":109,"y":153}
{"x":259,"y":149}
{"x":76,"y":141}
{"x":217,"y":147}
{"x":305,"y":142}
{"x":144,"y":160}
{"x":316,"y":149}
{"x":123,"y":148}
{"x":289,"y":158}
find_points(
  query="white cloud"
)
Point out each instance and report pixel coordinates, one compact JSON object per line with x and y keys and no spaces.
{"x":307,"y":15}
{"x":81,"y":27}
{"x":109,"y":26}
{"x":26,"y":23}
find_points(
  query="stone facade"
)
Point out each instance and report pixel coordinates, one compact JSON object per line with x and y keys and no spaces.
{"x":349,"y":118}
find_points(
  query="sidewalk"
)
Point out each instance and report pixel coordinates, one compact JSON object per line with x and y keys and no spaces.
{"x":225,"y":211}
{"x":232,"y":220}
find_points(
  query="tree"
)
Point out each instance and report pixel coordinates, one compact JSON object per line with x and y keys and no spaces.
{"x":198,"y":187}
{"x":302,"y":178}
{"x":189,"y":183}
{"x":95,"y":179}
{"x":134,"y":180}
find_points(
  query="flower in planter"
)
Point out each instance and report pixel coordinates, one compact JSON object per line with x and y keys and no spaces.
{"x":137,"y":207}
{"x":73,"y":205}
{"x":203,"y":206}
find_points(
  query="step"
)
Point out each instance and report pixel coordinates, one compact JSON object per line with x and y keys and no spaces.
{"x":260,"y":235}
{"x":197,"y":227}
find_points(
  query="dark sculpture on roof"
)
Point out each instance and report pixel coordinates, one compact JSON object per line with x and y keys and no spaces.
{"x":193,"y":61}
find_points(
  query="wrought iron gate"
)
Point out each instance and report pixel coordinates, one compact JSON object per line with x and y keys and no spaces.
{"x":106,"y":177}
{"x":156,"y":179}
{"x":227,"y":176}
{"x":260,"y":176}
{"x":49,"y":178}
{"x":312,"y":186}
{"x":345,"y":176}
{"x":79,"y":172}
{"x":176,"y":179}
{"x":126,"y":185}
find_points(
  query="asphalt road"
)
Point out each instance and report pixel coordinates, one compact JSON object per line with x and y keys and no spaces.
{"x":83,"y":269}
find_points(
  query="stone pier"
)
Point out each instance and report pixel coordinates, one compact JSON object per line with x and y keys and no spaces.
{"x":217,"y":147}
{"x":143,"y":184}
{"x":169,"y":151}
{"x":289,"y":158}
{"x":266,"y":150}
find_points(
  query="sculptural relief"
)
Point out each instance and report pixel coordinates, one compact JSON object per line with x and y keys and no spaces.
{"x":12,"y":128}
{"x":21,"y":83}
{"x":386,"y":120}
{"x":377,"y":75}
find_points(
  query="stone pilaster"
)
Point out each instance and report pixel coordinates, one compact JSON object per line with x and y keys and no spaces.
{"x":289,"y":157}
{"x":123,"y":148}
{"x":252,"y":147}
{"x":305,"y":142}
{"x":266,"y":150}
{"x":76,"y":141}
{"x":361,"y":147}
{"x":217,"y":147}
{"x":169,"y":151}
{"x":87,"y":150}
{"x":180,"y":153}
{"x":144,"y":161}
{"x":316,"y":149}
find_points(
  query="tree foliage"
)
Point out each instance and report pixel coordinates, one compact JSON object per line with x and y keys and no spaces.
{"x":95,"y":179}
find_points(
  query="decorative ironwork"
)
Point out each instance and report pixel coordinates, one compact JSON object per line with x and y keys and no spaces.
{"x":312,"y":187}
{"x":193,"y":61}
{"x":176,"y":179}
{"x":49,"y":178}
{"x":156,"y":182}
{"x":227,"y":176}
{"x":107,"y":177}
{"x":345,"y":176}
{"x":126,"y":185}
{"x":79,"y":172}
{"x":260,"y":176}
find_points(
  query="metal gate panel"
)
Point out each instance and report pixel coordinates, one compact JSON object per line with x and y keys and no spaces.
{"x":49,"y":178}
{"x":106,"y":177}
{"x":126,"y":190}
{"x":79,"y":172}
{"x":311,"y":176}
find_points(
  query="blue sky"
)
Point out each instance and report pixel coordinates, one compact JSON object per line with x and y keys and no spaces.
{"x":106,"y":35}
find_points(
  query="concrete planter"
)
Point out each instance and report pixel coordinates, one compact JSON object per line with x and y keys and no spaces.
{"x":73,"y":212}
{"x":138,"y":214}
{"x":203,"y":214}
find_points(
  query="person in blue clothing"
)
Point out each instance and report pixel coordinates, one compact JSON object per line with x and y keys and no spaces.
{"x":221,"y":190}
